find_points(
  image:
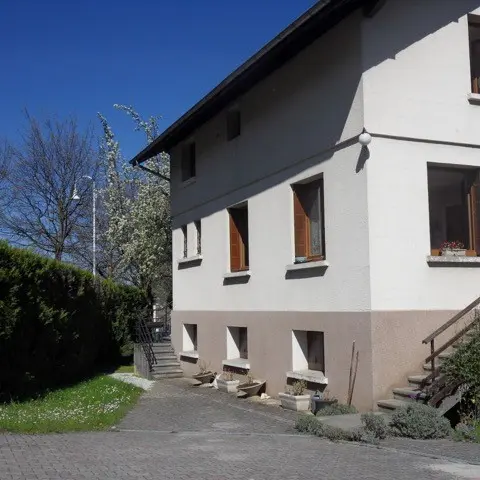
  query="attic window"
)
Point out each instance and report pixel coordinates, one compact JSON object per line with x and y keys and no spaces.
{"x":233,"y":124}
{"x":189,"y":161}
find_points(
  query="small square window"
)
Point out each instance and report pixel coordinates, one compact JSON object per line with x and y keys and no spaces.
{"x":237,"y":343}
{"x":308,"y":350}
{"x":233,"y":124}
{"x":190,"y":337}
{"x":185,"y":241}
{"x":198,"y":230}
{"x":189,"y":167}
{"x":309,"y":224}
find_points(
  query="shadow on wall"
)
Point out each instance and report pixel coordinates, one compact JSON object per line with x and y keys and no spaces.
{"x":304,"y":112}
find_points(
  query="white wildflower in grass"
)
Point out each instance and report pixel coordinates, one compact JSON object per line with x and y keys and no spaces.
{"x":91,"y":405}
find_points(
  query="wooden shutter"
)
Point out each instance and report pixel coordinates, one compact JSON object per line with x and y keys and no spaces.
{"x":300,"y":227}
{"x":475,"y":214}
{"x":235,"y":246}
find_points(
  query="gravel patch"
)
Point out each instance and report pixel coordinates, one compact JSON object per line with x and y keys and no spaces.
{"x":143,"y":383}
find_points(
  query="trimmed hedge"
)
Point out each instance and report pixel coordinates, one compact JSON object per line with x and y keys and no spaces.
{"x":58,"y":323}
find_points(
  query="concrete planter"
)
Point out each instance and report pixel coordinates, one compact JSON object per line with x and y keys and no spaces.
{"x":251,"y":389}
{"x":454,"y":252}
{"x":204,"y":377}
{"x":297,"y":403}
{"x":228,"y":386}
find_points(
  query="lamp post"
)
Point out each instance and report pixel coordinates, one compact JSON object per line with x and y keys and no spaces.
{"x":76,"y":196}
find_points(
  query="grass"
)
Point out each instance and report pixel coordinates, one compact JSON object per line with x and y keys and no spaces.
{"x":125,"y":369}
{"x":94,"y":404}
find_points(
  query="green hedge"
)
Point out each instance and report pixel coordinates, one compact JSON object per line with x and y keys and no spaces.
{"x":58,"y":323}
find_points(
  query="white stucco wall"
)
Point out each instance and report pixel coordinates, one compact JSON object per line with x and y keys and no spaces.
{"x":290,"y":124}
{"x":416,"y":82}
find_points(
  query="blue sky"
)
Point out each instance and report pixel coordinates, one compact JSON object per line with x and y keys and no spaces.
{"x":80,"y":57}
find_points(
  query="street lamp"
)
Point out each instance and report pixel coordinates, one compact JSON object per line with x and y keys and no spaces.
{"x":76,"y":196}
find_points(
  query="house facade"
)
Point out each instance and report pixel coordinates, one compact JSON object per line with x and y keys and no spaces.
{"x":292,"y":238}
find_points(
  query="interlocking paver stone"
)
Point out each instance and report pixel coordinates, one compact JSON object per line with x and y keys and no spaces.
{"x":217,"y":437}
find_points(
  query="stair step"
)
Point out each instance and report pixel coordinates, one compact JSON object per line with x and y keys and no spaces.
{"x":408,"y":394}
{"x":172,"y":374}
{"x":391,"y":404}
{"x":167,"y":363}
{"x":416,"y":380}
{"x":166,"y":358}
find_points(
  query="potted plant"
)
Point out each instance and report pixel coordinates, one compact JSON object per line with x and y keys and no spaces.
{"x":251,"y":386}
{"x":321,"y":400}
{"x":296,"y":399}
{"x":226,"y":383}
{"x":455,"y":248}
{"x":205,"y":375}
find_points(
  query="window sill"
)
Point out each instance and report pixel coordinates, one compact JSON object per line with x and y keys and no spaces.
{"x":452,"y":261}
{"x":242,"y":363}
{"x":192,"y":354}
{"x":311,"y":376}
{"x":241,"y":274}
{"x":196,"y":259}
{"x":306,"y":265}
{"x":474,"y":98}
{"x":188,"y":182}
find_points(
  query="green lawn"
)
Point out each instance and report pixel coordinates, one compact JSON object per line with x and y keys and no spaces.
{"x":125,"y":369}
{"x":94,"y":404}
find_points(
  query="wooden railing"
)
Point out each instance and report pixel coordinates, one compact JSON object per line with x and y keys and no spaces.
{"x":441,"y":387}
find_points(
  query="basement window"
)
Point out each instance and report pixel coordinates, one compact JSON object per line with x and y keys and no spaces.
{"x":190,"y":337}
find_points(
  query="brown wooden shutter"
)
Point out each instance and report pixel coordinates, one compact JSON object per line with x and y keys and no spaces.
{"x":475,"y":212}
{"x":300,"y":227}
{"x":235,"y":246}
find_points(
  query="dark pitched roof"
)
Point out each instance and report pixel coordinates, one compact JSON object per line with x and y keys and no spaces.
{"x":311,"y":25}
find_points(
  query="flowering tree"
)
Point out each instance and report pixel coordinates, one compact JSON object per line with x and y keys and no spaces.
{"x":137,"y":239}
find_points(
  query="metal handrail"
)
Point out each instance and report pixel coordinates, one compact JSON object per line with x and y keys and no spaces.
{"x":434,"y":353}
{"x":144,"y":337}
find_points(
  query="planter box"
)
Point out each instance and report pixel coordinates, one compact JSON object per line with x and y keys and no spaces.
{"x":298,"y":403}
{"x":454,"y":252}
{"x":228,"y":386}
{"x":252,"y":389}
{"x":204,"y":377}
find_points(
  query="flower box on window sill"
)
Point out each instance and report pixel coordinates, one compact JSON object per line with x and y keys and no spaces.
{"x":454,"y":252}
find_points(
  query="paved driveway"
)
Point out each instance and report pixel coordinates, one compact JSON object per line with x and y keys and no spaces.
{"x":177,"y":432}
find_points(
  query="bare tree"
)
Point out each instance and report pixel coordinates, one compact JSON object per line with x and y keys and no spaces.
{"x":50,"y":159}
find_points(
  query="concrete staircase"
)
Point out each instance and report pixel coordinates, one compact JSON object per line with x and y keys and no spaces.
{"x":413,"y":393}
{"x":167,"y":365}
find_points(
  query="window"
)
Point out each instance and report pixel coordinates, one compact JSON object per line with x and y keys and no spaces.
{"x":474,"y":39}
{"x":188,"y":161}
{"x":308,"y":350}
{"x":190,"y":337}
{"x":239,"y":238}
{"x":454,"y":196}
{"x":309,"y":221}
{"x":198,"y":229}
{"x":185,"y":241}
{"x":237,"y":343}
{"x":233,"y":124}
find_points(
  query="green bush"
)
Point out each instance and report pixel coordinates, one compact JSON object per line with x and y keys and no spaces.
{"x":336,"y":409}
{"x":310,"y":424}
{"x":58,"y":322}
{"x":375,"y":425}
{"x":420,"y":422}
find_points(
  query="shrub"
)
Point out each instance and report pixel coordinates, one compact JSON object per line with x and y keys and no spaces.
{"x":310,"y":424}
{"x":375,"y":425}
{"x":336,"y":409}
{"x":299,"y":387}
{"x":419,"y":422}
{"x":58,"y":322}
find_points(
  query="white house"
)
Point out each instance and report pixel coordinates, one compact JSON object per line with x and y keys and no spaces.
{"x":291,"y":239}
